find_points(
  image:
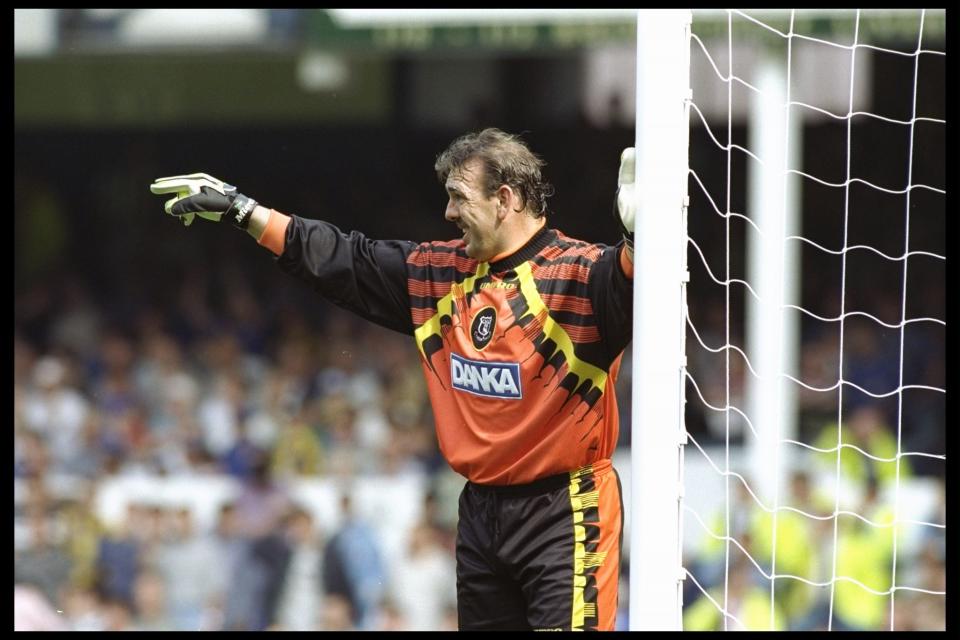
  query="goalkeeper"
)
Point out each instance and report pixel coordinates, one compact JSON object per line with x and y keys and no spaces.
{"x":520,"y":331}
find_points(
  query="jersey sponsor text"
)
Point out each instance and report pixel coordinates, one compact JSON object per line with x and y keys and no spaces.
{"x":493,"y":379}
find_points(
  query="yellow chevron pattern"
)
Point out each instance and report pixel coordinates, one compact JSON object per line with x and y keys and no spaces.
{"x":582,"y":559}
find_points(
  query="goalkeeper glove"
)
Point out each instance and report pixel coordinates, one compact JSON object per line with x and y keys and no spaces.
{"x":199,"y":194}
{"x":625,"y":205}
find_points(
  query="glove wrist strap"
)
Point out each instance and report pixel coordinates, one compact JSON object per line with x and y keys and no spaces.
{"x":241,"y":210}
{"x":627,"y":235}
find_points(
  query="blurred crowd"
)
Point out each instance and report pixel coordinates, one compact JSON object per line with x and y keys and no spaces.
{"x":862,"y":545}
{"x":230,"y":391}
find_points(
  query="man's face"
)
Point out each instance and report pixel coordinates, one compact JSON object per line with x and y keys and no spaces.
{"x":472,"y":211}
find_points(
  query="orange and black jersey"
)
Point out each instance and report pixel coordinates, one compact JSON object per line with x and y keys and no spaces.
{"x":520,"y":355}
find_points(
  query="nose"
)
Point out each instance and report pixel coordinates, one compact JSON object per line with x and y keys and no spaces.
{"x":451,"y":214}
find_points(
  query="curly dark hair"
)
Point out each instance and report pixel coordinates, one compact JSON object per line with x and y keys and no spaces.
{"x":506,"y":160}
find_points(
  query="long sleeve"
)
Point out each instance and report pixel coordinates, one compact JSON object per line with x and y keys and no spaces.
{"x":364,"y":276}
{"x":611,"y":293}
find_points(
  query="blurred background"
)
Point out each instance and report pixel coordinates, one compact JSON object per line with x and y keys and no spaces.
{"x":202,"y":443}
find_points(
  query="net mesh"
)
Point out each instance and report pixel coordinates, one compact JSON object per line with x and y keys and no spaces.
{"x":855,"y":538}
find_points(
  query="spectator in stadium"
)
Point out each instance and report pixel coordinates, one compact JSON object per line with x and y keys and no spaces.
{"x":81,"y":520}
{"x":424,"y":581}
{"x":162,"y":374}
{"x":301,"y":595}
{"x":44,"y":563}
{"x":297,"y":451}
{"x":150,"y":597}
{"x":864,"y":426}
{"x":228,"y":554}
{"x":270,"y":554}
{"x":353,"y":566}
{"x":933,"y":540}
{"x":259,"y":511}
{"x":31,"y":454}
{"x":119,"y":555}
{"x":520,"y":331}
{"x":221,"y":411}
{"x":709,"y":562}
{"x":183,"y":561}
{"x":56,"y":409}
{"x":338,"y":431}
{"x":747,"y":602}
{"x":796,"y":547}
{"x":865,"y":553}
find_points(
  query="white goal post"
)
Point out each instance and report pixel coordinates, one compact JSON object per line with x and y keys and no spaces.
{"x":662,"y":135}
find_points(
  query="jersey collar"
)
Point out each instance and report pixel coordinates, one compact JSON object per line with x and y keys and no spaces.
{"x":535,"y":245}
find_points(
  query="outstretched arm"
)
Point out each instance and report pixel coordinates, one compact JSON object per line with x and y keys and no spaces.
{"x":367,"y":277}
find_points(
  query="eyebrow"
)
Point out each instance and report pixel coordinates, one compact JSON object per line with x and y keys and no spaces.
{"x":455,"y":190}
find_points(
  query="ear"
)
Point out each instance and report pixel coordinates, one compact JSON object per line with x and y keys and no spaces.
{"x":507,"y":200}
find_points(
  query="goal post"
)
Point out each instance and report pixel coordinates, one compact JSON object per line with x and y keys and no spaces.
{"x":773,"y":272}
{"x":660,"y":273}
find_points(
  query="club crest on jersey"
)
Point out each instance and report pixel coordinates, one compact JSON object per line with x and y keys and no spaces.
{"x":481,"y":329}
{"x":492,"y":379}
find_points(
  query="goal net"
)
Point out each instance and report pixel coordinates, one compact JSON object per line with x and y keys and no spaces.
{"x":812,"y":460}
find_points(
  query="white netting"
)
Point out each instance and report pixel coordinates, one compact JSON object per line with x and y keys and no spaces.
{"x":857,"y":542}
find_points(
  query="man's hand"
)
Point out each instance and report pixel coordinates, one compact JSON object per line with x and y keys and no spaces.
{"x":199,"y":194}
{"x":625,"y":210}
